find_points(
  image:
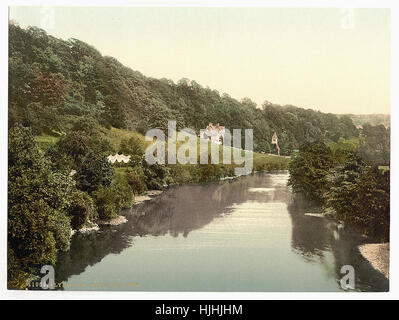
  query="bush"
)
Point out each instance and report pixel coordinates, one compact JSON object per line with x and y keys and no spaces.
{"x":94,"y":172}
{"x":82,"y":209}
{"x":86,"y":124}
{"x":372,"y":203}
{"x":209,"y":172}
{"x":124,"y":192}
{"x":134,"y":146}
{"x":17,"y":279}
{"x":71,"y":149}
{"x":106,"y":203}
{"x":74,"y":146}
{"x":309,"y":169}
{"x":187,"y":173}
{"x":341,"y":185}
{"x":156,"y":176}
{"x":111,"y":200}
{"x":136,"y":180}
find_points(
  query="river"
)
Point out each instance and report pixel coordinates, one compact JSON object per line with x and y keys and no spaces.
{"x":246,"y":234}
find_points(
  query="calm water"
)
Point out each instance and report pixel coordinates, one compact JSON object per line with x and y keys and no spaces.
{"x":246,"y":234}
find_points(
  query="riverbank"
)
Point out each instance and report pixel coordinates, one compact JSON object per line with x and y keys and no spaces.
{"x":113,"y":222}
{"x":378,"y":256}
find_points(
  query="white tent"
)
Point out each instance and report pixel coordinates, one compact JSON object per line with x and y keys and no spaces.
{"x":118,"y":158}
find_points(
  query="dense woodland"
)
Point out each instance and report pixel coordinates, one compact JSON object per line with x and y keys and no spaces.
{"x":53,"y":82}
{"x":70,"y":107}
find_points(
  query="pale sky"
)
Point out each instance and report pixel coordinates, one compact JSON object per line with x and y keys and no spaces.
{"x":303,"y":57}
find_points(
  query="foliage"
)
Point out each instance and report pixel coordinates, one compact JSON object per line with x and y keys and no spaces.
{"x":105,"y":199}
{"x":82,"y":209}
{"x":344,"y":148}
{"x":38,"y":201}
{"x":342,"y":182}
{"x":342,"y":187}
{"x":124,"y":191}
{"x":156,"y":176}
{"x":372,"y":202}
{"x":16,"y":277}
{"x":309,"y":169}
{"x":134,"y":146}
{"x":70,"y":150}
{"x":375,"y":149}
{"x":110,"y":200}
{"x":94,"y":172}
{"x":136,"y":180}
{"x":89,"y":125}
{"x":52,"y":82}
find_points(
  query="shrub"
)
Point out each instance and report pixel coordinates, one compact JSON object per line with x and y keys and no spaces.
{"x":372,"y":203}
{"x":86,"y":124}
{"x":309,"y":169}
{"x":209,"y":172}
{"x":136,"y":180}
{"x":106,"y":202}
{"x":94,"y":172}
{"x":124,"y":192}
{"x":156,"y":176}
{"x":82,"y":209}
{"x":17,"y":278}
{"x":188,"y":173}
{"x":74,"y":146}
{"x":133,"y":146}
{"x":111,"y":200}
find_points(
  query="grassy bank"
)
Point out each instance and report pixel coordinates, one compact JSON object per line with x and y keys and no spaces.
{"x":180,"y":174}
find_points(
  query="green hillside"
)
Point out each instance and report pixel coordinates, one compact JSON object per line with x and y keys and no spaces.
{"x":54,"y":82}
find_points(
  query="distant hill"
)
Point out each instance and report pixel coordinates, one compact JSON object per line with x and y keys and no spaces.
{"x":372,"y":119}
{"x":53,"y":83}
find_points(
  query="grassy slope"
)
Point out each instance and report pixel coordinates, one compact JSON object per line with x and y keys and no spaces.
{"x":45,"y":141}
{"x":262,"y":162}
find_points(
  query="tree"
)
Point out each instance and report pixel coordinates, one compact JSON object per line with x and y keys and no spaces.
{"x":75,"y":145}
{"x":94,"y":172}
{"x":70,"y":150}
{"x":38,"y":201}
{"x":61,"y":80}
{"x":342,"y":184}
{"x":375,"y":148}
{"x":47,"y":88}
{"x":134,"y":146}
{"x":309,"y":169}
{"x":81,"y":209}
{"x":111,"y":200}
{"x":113,"y":113}
{"x":89,"y":125}
{"x":136,"y":180}
{"x":372,"y":203}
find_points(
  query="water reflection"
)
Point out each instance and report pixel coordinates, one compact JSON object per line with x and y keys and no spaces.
{"x":179,"y":211}
{"x":331,"y":245}
{"x":184,"y":209}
